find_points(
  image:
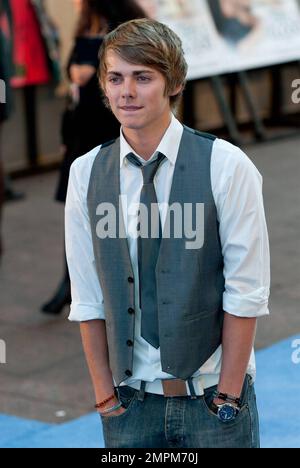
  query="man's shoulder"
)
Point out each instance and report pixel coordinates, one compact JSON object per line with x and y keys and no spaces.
{"x":228,"y":160}
{"x":231,"y":154}
{"x":86,"y":161}
{"x":225,"y":154}
{"x":108,"y":143}
{"x":206,"y":135}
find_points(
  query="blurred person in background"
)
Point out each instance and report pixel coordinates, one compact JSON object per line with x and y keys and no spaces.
{"x":5,"y":73}
{"x":36,"y":59}
{"x":29,"y":56}
{"x":86,"y":122}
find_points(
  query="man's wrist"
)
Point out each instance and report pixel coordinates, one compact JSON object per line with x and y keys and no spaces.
{"x":221,"y":398}
{"x":112,"y":408}
{"x":114,"y":401}
{"x":218,"y":401}
{"x":107,"y":399}
{"x":234,"y":389}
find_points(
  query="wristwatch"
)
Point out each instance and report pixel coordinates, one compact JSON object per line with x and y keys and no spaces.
{"x":226,"y":412}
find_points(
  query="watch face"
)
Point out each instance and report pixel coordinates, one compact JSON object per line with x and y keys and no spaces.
{"x":227,"y":413}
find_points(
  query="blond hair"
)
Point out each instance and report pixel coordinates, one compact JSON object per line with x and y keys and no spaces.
{"x":148,"y":42}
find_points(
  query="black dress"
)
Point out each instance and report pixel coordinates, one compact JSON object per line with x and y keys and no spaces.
{"x":89,"y":123}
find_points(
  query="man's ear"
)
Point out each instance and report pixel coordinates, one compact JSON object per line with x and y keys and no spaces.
{"x":177,"y":90}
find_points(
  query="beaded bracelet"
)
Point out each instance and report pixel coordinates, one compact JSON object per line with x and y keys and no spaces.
{"x":103,"y":403}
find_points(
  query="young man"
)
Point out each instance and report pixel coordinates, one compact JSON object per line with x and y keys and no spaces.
{"x":167,"y":324}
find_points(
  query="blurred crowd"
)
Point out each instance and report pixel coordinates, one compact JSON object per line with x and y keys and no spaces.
{"x":30,"y":57}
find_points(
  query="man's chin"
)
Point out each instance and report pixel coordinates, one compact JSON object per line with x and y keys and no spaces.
{"x":132,"y":125}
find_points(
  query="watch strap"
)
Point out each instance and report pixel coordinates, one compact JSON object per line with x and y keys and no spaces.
{"x":227,"y":398}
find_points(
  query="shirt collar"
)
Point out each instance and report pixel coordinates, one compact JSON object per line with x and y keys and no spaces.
{"x":169,"y":144}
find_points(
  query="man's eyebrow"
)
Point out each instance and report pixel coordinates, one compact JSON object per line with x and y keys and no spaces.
{"x":135,"y":73}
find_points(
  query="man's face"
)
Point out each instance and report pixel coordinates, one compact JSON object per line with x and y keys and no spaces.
{"x":136,"y":93}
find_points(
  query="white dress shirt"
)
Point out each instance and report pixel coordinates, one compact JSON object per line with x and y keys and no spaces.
{"x":237,"y":192}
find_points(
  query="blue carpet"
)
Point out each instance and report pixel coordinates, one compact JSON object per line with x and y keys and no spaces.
{"x":14,"y":430}
{"x":277,"y":388}
{"x":84,"y":432}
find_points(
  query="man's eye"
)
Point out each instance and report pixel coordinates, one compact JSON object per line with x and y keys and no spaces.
{"x":143,"y":78}
{"x":114,"y":80}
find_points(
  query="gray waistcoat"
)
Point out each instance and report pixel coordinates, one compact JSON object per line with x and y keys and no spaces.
{"x":190,"y":282}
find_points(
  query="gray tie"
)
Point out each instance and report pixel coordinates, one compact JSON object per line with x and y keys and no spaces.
{"x":148,"y":250}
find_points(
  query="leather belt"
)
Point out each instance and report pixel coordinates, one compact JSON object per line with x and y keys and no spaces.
{"x":168,"y":388}
{"x":174,"y":387}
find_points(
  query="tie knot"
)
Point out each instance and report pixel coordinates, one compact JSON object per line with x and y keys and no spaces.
{"x":150,"y":169}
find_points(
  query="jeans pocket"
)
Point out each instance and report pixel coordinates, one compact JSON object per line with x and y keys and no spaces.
{"x":210,"y":413}
{"x":208,"y":397}
{"x":127,"y":396}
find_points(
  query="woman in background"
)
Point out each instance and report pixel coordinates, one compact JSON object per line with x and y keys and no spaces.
{"x":87,"y":123}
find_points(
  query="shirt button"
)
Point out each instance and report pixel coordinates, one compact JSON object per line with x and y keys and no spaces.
{"x":130,"y":279}
{"x":129,"y":343}
{"x":131,"y":310}
{"x":128,"y":373}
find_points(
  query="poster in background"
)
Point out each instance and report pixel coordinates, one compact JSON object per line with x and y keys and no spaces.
{"x":223,"y":36}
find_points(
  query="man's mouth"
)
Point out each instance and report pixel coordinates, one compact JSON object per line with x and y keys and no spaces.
{"x":130,"y":108}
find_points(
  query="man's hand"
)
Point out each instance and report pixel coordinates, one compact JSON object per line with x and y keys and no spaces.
{"x":81,"y":74}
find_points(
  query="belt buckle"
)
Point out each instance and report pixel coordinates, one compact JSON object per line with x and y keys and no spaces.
{"x":174,"y":387}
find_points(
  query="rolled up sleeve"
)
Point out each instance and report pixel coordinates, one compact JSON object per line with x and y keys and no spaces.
{"x":87,"y":299}
{"x":244,"y":238}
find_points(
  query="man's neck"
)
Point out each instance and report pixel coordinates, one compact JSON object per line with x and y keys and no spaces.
{"x":145,"y":141}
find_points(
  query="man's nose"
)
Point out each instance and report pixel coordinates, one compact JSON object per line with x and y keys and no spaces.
{"x":128,"y":88}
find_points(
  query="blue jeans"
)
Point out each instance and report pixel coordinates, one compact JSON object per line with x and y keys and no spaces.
{"x":155,"y":421}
